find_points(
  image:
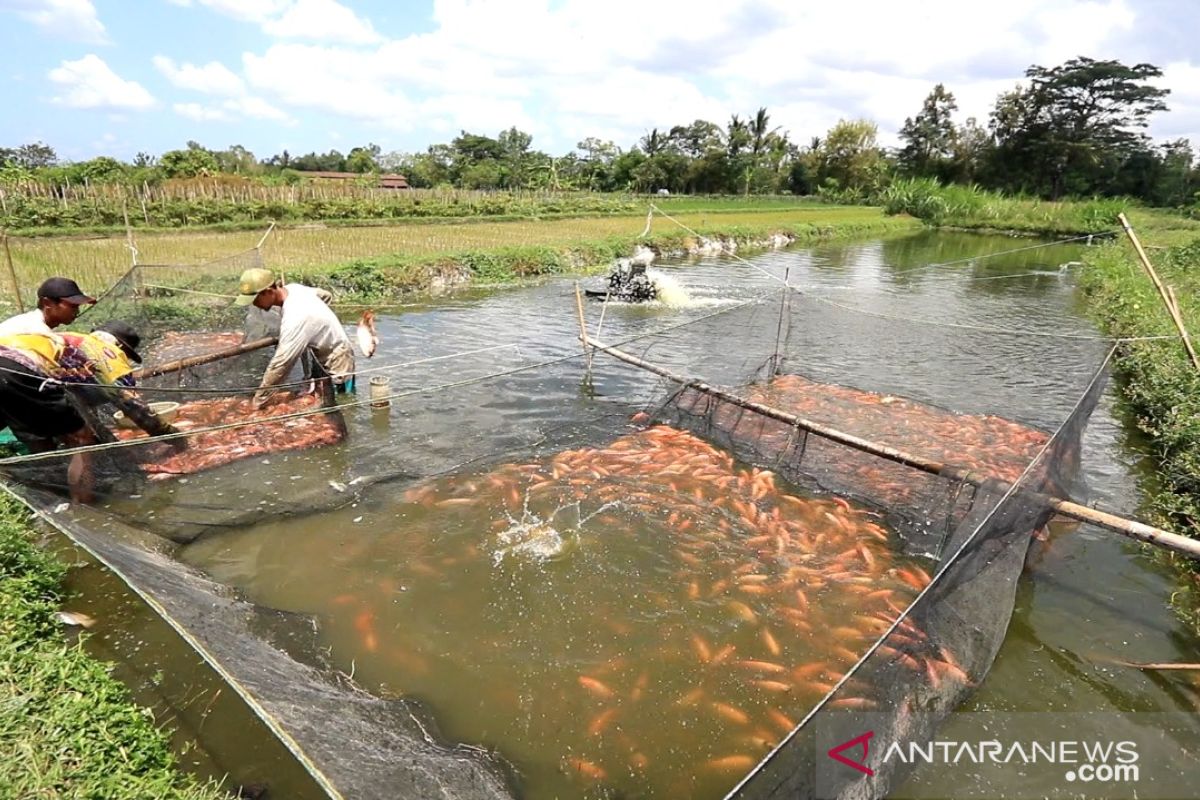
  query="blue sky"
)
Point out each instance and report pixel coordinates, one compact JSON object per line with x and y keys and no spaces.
{"x":109,"y":77}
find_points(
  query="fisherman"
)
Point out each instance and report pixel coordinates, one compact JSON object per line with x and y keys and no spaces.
{"x":38,"y":369}
{"x":59,"y":300}
{"x":307,"y":324}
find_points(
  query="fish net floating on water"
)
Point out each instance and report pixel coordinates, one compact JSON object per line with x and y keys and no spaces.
{"x":708,"y":572}
{"x":973,"y":538}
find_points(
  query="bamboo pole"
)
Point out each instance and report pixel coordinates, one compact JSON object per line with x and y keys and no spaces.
{"x":264,"y":236}
{"x":12,"y":274}
{"x":583,"y":336}
{"x":208,"y":358}
{"x":1125,"y":527}
{"x":1164,"y":666}
{"x":1163,"y":291}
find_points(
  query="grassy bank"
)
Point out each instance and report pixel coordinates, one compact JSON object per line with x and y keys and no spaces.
{"x":1160,"y":383}
{"x":411,"y":253}
{"x":394,"y":275}
{"x":68,"y":729}
{"x":40,"y":209}
{"x":977,"y":209}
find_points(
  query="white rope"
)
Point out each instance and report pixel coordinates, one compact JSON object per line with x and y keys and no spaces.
{"x":70,"y":451}
{"x":734,"y":256}
{"x":985,"y":328}
{"x":249,"y":390}
{"x":968,"y":260}
{"x":335,"y":304}
{"x":945,"y":567}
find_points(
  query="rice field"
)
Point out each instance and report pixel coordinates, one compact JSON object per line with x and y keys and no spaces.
{"x":97,"y":262}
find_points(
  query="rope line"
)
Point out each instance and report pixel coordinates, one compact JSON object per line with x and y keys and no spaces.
{"x":945,"y":568}
{"x":735,"y":256}
{"x":986,"y":328}
{"x":70,"y":451}
{"x":249,"y":390}
{"x":969,"y":259}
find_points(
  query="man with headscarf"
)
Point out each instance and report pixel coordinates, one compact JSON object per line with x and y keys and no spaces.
{"x":48,"y":379}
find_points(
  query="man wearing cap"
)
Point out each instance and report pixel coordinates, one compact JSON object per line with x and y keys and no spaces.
{"x":36,"y":371}
{"x":59,"y":300}
{"x":307,"y":323}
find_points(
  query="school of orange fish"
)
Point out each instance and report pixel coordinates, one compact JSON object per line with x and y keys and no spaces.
{"x":986,"y":445}
{"x":208,"y":450}
{"x":175,"y":345}
{"x":794,"y":589}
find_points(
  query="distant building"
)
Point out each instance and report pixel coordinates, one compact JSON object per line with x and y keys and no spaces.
{"x":385,"y":181}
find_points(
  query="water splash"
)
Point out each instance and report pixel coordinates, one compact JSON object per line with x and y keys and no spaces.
{"x":534,"y":538}
{"x":670,"y":292}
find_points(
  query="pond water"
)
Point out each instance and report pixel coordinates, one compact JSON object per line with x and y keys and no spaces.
{"x":597,"y":642}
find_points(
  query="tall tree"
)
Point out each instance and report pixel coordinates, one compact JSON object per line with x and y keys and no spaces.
{"x":29,"y":156}
{"x":930,"y":137}
{"x":1059,"y":134}
{"x":188,"y":163}
{"x":972,"y":146}
{"x":850,"y":159}
{"x":363,"y":159}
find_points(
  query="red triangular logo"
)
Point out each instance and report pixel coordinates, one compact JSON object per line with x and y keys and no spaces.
{"x":861,"y":766}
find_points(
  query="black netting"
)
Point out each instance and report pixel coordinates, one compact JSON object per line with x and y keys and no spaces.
{"x":568,"y":581}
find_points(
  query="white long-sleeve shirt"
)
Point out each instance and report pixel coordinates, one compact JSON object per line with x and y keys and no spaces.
{"x":29,"y":322}
{"x":308,"y":323}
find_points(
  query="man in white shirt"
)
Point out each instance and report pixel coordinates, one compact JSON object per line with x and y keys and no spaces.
{"x":59,"y":300}
{"x":307,"y":323}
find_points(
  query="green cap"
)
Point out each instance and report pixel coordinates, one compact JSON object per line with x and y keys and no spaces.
{"x":253,"y":281}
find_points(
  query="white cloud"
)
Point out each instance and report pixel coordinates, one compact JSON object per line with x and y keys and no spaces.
{"x":349,"y":83}
{"x":233,"y":110}
{"x":70,"y":19}
{"x":256,"y":108}
{"x":313,"y":20}
{"x":90,"y":83}
{"x":1183,"y":79}
{"x":321,"y":20}
{"x":243,"y":10}
{"x":199,"y":113}
{"x":212,"y":78}
{"x":565,"y":69}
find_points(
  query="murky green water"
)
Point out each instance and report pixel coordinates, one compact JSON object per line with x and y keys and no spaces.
{"x":577,"y":638}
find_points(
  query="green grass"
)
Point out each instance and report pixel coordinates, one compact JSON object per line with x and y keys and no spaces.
{"x":415,"y":248}
{"x":1160,"y":383}
{"x":67,"y":727}
{"x":974,"y":208}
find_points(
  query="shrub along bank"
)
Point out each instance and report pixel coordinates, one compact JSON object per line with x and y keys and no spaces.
{"x":1159,"y":381}
{"x":67,"y":727}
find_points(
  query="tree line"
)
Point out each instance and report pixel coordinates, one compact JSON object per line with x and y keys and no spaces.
{"x":1077,"y":129}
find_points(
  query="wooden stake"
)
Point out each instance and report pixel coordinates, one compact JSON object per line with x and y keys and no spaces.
{"x":12,"y":274}
{"x":1163,"y":292}
{"x":583,"y":336}
{"x":1168,"y":665}
{"x":1126,"y":527}
{"x":264,"y":236}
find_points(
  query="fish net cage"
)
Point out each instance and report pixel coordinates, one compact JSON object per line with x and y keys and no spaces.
{"x":647,"y":589}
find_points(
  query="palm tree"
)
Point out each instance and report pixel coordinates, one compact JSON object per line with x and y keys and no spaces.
{"x":739,"y":135}
{"x":759,"y":130}
{"x":653,"y":142}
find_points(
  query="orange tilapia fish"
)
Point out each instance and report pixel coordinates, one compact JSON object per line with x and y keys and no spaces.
{"x":365,"y":334}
